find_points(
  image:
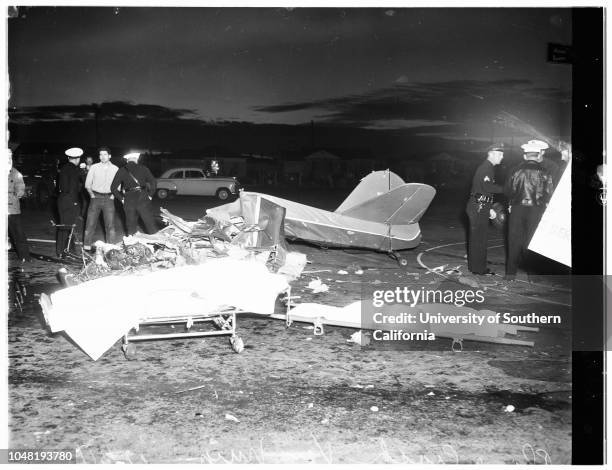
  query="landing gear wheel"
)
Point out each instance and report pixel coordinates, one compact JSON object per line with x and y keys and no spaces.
{"x":403,"y":262}
{"x":237,"y":344}
{"x":129,"y":351}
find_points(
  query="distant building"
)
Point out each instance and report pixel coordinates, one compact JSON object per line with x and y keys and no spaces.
{"x":233,"y":166}
{"x":293,"y":171}
{"x":262,"y":169}
{"x":322,"y":168}
{"x":412,"y":171}
{"x":326,"y":168}
{"x":356,"y":168}
{"x":445,"y":170}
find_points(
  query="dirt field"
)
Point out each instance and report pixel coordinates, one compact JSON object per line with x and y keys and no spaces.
{"x":292,"y":397}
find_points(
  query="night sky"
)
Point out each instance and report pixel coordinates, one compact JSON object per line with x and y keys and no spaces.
{"x":439,"y":71}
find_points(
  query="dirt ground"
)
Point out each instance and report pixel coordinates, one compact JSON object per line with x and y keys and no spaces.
{"x":291,"y":396}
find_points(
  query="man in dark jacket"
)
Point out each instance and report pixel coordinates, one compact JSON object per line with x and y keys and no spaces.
{"x":479,"y":207}
{"x":137,"y":189}
{"x":69,"y":186}
{"x":528,"y":189}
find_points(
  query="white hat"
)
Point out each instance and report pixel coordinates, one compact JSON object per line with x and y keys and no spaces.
{"x":74,"y":152}
{"x":133,"y":155}
{"x":534,"y":146}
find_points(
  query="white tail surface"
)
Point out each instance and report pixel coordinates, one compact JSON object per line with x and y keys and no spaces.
{"x":371,"y":186}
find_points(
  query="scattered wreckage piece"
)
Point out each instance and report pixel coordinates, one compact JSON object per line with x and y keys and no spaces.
{"x":350,"y":316}
{"x":111,"y":260}
{"x":198,"y":283}
{"x":256,"y":232}
{"x":95,"y":320}
{"x":175,"y":220}
{"x":294,"y":265}
{"x":168,"y":237}
{"x":204,"y":228}
{"x":381,"y":213}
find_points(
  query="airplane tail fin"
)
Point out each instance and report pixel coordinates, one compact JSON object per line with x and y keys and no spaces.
{"x":384,"y":197}
{"x":376,"y":183}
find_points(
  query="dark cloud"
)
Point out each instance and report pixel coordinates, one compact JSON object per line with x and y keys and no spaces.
{"x":127,"y":110}
{"x":458,"y":101}
{"x":224,"y":61}
{"x":107,"y":111}
{"x":51,"y":113}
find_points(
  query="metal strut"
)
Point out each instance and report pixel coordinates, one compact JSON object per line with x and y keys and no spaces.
{"x":319,"y":330}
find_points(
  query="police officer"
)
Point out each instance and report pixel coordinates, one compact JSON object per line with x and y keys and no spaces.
{"x":529,"y":188}
{"x":69,"y":186}
{"x":137,"y":189}
{"x":478,"y":209}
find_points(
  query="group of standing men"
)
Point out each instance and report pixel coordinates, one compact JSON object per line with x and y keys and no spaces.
{"x":133,"y":185}
{"x":528,"y":189}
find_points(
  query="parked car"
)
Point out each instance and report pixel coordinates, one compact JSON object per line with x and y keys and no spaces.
{"x":194,"y":182}
{"x":39,"y":189}
{"x":39,"y":186}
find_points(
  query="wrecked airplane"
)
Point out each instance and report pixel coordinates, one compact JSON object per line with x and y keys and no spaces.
{"x":381,"y":213}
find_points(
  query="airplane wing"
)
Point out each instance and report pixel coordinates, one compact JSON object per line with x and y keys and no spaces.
{"x":403,"y":205}
{"x":553,"y":236}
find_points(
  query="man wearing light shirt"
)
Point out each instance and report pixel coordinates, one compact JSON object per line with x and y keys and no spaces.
{"x":98,"y":185}
{"x":16,"y":190}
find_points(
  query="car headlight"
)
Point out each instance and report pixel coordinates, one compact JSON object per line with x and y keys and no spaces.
{"x":232,"y":188}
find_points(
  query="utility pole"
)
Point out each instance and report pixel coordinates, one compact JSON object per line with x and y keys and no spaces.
{"x":96,"y":108}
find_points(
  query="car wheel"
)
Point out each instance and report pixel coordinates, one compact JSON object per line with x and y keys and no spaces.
{"x":162,"y":193}
{"x":223,"y":194}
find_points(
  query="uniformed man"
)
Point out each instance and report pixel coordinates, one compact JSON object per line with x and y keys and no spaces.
{"x":479,"y":207}
{"x":69,"y":186}
{"x":137,"y":189}
{"x":84,"y":167}
{"x":529,"y":189}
